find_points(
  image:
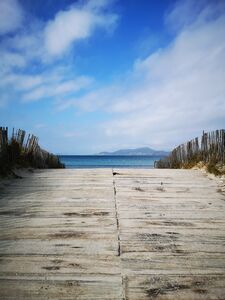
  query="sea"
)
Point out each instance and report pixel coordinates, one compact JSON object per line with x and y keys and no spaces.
{"x":108,"y":161}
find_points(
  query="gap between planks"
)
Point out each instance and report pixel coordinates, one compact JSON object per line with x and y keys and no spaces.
{"x":123,"y":278}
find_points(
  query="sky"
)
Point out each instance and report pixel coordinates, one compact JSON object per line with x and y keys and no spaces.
{"x":101,"y":75}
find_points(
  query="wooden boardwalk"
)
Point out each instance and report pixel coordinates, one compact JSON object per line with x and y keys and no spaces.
{"x":126,"y":234}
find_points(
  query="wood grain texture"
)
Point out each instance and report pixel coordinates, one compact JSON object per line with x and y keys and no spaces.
{"x":89,"y":234}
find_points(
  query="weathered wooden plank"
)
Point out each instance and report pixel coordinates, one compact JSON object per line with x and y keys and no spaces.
{"x":171,"y":234}
{"x":174,"y":287}
{"x":62,"y":288}
{"x":59,"y":264}
{"x":86,"y":234}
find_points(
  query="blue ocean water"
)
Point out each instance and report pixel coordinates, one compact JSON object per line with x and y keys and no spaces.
{"x":108,"y":161}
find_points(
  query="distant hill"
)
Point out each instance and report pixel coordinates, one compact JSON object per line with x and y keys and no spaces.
{"x":137,"y":151}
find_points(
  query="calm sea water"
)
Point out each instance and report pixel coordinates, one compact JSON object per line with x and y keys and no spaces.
{"x":97,"y":161}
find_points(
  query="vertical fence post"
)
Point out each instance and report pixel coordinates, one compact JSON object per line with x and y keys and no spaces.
{"x":209,"y":148}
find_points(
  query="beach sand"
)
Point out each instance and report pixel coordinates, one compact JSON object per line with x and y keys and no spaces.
{"x":112,"y":234}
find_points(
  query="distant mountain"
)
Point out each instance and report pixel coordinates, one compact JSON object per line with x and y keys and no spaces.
{"x":137,"y":151}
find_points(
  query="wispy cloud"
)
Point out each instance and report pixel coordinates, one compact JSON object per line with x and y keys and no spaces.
{"x":56,"y":36}
{"x":41,"y":44}
{"x":55,"y":83}
{"x":166,"y":97}
{"x":75,"y":24}
{"x":11,"y":16}
{"x":175,"y":92}
{"x":57,"y":89}
{"x":21,"y":82}
{"x":10,"y":60}
{"x":189,"y":12}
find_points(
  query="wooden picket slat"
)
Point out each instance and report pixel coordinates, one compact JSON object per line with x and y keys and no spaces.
{"x":210,"y":147}
{"x":18,"y":147}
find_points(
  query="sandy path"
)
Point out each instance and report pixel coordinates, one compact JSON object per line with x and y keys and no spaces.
{"x":89,"y":234}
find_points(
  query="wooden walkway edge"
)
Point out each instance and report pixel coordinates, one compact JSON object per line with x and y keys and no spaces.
{"x":131,"y":234}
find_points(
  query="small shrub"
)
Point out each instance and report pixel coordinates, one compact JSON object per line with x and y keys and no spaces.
{"x":212,"y":168}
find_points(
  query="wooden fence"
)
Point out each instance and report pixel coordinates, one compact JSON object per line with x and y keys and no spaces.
{"x":3,"y":137}
{"x":22,"y":150}
{"x":210,"y":147}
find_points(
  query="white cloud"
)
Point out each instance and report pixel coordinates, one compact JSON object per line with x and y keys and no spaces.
{"x":21,"y":82}
{"x":173,"y":94}
{"x":167,"y":98}
{"x":190,"y":12}
{"x":29,"y":43}
{"x":56,"y":89}
{"x":75,"y":24}
{"x":27,"y":82}
{"x":11,"y":16}
{"x":39,"y":45}
{"x":54,"y":83}
{"x":42,"y":42}
{"x":11,"y":60}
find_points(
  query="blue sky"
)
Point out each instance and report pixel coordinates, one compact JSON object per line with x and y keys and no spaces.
{"x":100,"y":75}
